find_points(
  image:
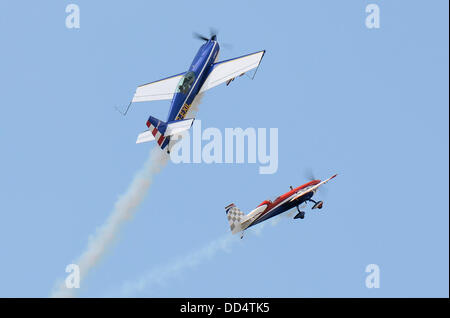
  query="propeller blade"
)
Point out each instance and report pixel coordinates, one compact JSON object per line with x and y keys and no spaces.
{"x":309,"y":174}
{"x":199,"y":36}
{"x":213,"y":33}
{"x":324,"y":190}
{"x":226,"y":46}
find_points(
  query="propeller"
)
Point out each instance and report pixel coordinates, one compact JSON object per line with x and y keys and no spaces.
{"x":308,"y":173}
{"x":200,"y":37}
{"x":212,"y":35}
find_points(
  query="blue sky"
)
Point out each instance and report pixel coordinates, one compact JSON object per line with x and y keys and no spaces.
{"x":371,"y":105}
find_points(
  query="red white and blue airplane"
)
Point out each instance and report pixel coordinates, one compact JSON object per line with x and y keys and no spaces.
{"x":204,"y":73}
{"x":268,"y":209}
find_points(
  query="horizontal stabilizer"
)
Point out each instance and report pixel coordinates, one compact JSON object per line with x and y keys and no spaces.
{"x":178,"y":126}
{"x":145,"y":137}
{"x":159,"y":130}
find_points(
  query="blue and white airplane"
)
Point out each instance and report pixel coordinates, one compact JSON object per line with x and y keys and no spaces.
{"x":204,"y":73}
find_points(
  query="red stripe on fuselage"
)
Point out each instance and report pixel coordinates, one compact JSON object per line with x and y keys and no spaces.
{"x":283,"y":197}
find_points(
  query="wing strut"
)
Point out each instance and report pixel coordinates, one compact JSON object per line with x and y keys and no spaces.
{"x":254,"y":74}
{"x":126,"y":111}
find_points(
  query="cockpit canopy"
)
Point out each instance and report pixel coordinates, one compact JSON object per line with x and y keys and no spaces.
{"x":186,"y":82}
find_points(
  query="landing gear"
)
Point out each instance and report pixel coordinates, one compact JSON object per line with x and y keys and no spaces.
{"x":300,"y":214}
{"x":317,"y":205}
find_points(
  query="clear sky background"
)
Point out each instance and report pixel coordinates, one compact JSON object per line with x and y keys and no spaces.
{"x":371,"y":105}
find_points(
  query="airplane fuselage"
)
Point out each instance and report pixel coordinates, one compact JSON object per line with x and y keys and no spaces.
{"x":284,"y":207}
{"x":194,"y":78}
{"x":283,"y":203}
{"x":203,"y":74}
{"x":239,"y":222}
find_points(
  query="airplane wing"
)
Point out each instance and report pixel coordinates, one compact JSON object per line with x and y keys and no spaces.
{"x":252,"y":216}
{"x":313,"y":188}
{"x":227,"y":70}
{"x":159,"y":90}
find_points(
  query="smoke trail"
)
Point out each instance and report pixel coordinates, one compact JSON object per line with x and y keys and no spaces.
{"x":123,"y":210}
{"x":160,"y":275}
{"x":193,"y":110}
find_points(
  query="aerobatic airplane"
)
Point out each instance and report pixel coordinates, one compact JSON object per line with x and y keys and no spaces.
{"x":204,"y":73}
{"x":268,"y":209}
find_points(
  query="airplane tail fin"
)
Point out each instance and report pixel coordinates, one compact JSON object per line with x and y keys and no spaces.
{"x":234,"y":216}
{"x":161,"y":131}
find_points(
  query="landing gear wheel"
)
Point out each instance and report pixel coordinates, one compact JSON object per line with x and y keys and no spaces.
{"x":318,"y":205}
{"x":300,"y":215}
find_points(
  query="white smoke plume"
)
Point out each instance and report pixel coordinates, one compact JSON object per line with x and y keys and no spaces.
{"x":124,"y":209}
{"x":160,"y":275}
{"x":193,"y":110}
